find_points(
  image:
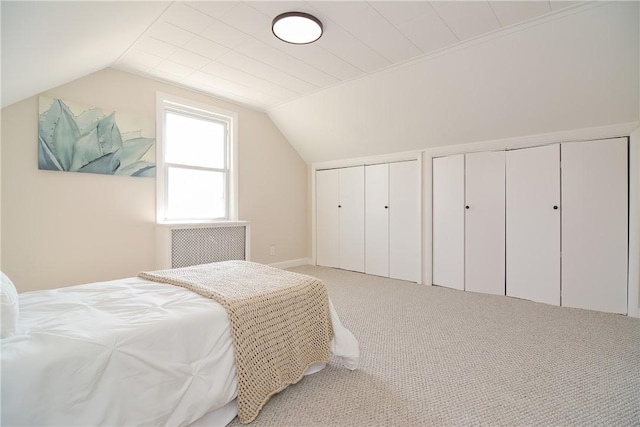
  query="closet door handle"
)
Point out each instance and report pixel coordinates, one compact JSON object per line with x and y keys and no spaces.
{"x":339,"y":206}
{"x":386,"y":207}
{"x":555,"y":207}
{"x":466,"y":207}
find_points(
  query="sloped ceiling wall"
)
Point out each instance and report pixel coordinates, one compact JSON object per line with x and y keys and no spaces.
{"x":576,"y":70}
{"x":43,"y":38}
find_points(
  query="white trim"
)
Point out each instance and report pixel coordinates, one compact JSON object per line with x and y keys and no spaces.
{"x":602,"y":132}
{"x":175,"y":225}
{"x":427,"y":219}
{"x":291,"y":263}
{"x":160,"y":178}
{"x":312,"y":171}
{"x":365,"y":161}
{"x":633,"y":305}
{"x":420,"y":242}
{"x":211,"y":110}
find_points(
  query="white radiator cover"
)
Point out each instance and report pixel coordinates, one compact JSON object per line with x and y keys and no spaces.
{"x":186,"y":245}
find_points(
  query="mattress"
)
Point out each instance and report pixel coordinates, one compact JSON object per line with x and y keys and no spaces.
{"x":124,"y":352}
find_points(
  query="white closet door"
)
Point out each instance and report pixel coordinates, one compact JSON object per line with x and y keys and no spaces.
{"x":484,"y":222}
{"x":448,"y":221}
{"x":328,"y":218}
{"x":377,"y":220}
{"x":352,"y":218}
{"x":404,"y":220}
{"x":533,"y":223}
{"x":594,"y":225}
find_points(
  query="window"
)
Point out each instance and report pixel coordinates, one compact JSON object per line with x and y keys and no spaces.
{"x":196,"y":155}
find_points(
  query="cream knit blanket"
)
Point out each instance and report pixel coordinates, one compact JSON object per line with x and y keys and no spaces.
{"x":280,"y":322}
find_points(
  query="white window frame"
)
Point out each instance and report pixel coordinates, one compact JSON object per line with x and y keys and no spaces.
{"x":165,"y":101}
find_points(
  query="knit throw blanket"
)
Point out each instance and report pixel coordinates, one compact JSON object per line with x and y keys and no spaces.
{"x":280,"y":323}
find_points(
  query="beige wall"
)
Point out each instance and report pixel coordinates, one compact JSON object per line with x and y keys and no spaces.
{"x":63,"y":229}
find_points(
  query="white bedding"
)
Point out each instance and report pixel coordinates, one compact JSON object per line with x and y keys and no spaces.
{"x":124,"y":352}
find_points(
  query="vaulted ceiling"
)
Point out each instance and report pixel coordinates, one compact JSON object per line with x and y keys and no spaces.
{"x":226,"y":48}
{"x":386,"y":76}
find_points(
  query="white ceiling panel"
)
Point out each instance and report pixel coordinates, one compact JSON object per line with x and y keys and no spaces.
{"x":223,"y":34}
{"x":467,"y":19}
{"x":400,"y":12}
{"x":266,"y":72}
{"x":139,"y":60}
{"x":229,"y":89}
{"x":322,"y":59}
{"x":231,"y":43}
{"x":159,"y":74}
{"x":247,"y":19}
{"x":171,"y":34}
{"x":187,"y":18}
{"x":283,"y":61}
{"x":174,"y":69}
{"x":512,"y":12}
{"x":189,"y":59}
{"x":330,"y":62}
{"x":351,"y":49}
{"x":365,"y":23}
{"x":156,"y":47}
{"x":428,"y":31}
{"x":561,"y":4}
{"x":205,"y":47}
{"x":271,"y":9}
{"x":47,"y":44}
{"x":247,"y":79}
{"x":215,"y":9}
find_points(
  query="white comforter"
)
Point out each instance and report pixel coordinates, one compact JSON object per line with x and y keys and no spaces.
{"x":125,"y":352}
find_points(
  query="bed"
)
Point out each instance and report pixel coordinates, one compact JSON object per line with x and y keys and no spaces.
{"x":127,"y":352}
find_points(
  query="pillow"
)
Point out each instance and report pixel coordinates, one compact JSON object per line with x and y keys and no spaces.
{"x":9,"y":308}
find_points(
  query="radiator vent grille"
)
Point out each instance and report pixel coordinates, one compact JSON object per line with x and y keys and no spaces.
{"x":192,"y":246}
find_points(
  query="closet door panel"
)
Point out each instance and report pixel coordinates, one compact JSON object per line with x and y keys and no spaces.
{"x":352,"y":218}
{"x":533,"y":223}
{"x":595,"y":225}
{"x":448,"y":221}
{"x":328,"y":218}
{"x":404,"y":220}
{"x":377,"y":220}
{"x":485,"y":222}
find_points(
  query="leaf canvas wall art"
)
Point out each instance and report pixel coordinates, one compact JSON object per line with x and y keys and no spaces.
{"x":77,"y":138}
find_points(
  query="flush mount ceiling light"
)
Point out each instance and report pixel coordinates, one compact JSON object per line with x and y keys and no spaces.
{"x":297,"y":27}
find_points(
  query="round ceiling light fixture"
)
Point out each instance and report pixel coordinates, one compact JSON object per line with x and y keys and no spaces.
{"x":297,"y":27}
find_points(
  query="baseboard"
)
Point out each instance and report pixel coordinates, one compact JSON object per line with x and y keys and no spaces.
{"x":292,"y":263}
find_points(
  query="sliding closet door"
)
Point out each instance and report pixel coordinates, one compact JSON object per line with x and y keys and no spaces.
{"x":377,"y":220}
{"x":328,"y":218}
{"x":448,"y":221}
{"x":595,"y":225}
{"x":533,"y":223}
{"x":484,"y":222}
{"x":404,"y":218}
{"x":351,"y":209}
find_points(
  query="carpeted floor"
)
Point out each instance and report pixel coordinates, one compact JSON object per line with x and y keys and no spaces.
{"x":435,"y":356}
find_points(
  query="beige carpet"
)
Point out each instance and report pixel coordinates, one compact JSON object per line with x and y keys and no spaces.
{"x":435,"y":356}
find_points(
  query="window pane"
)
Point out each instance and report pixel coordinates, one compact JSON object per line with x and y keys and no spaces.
{"x":195,"y":194}
{"x":194,"y":141}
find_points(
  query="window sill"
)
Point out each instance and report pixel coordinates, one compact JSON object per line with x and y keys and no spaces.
{"x":202,"y":223}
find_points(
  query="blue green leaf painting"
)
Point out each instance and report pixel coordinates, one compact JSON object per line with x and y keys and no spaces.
{"x":91,"y":142}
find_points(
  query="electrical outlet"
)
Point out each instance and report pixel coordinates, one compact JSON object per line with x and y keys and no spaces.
{"x":272,"y":250}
